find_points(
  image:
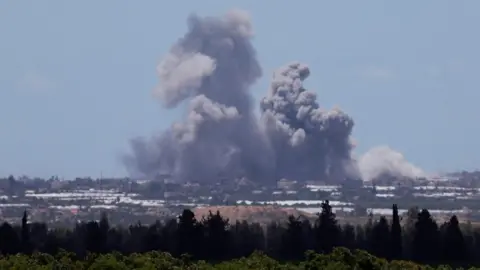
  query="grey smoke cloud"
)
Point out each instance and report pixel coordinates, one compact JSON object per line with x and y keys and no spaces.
{"x":213,"y":67}
{"x":310,"y":143}
{"x":180,"y":74}
{"x":202,"y":110}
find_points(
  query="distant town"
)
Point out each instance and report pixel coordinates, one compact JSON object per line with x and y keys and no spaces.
{"x":126,"y":201}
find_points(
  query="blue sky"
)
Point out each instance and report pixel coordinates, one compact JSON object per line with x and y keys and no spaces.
{"x":76,"y":76}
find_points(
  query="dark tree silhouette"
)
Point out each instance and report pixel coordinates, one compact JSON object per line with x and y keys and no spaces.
{"x":380,"y":238}
{"x":104,"y":227}
{"x":25,"y":238}
{"x":217,"y":237}
{"x":396,"y":234}
{"x":326,"y":229}
{"x":93,"y":237}
{"x":214,"y":240}
{"x":274,"y":239}
{"x":247,"y":238}
{"x":153,"y":237}
{"x":361,"y":240}
{"x":454,"y":249}
{"x":293,"y":244}
{"x":38,"y":236}
{"x":426,"y":236}
{"x":10,"y":243}
{"x":347,"y":236}
{"x":189,"y":235}
{"x":308,"y":235}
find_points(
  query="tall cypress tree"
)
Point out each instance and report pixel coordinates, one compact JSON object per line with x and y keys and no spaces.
{"x":396,"y":234}
{"x":25,"y":240}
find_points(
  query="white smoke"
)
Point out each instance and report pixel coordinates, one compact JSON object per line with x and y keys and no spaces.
{"x":382,"y":160}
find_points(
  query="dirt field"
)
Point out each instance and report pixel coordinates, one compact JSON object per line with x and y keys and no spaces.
{"x":260,"y":214}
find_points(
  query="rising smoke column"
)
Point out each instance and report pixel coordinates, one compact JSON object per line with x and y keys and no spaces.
{"x":213,"y":66}
{"x":310,"y":143}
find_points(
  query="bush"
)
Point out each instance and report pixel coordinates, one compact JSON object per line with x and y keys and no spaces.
{"x":339,"y":259}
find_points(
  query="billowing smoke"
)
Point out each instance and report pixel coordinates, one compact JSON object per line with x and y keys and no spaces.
{"x":383,"y":160}
{"x":309,"y":143}
{"x":213,"y":67}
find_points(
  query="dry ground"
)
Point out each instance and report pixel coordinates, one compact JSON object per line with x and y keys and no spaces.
{"x":260,"y":214}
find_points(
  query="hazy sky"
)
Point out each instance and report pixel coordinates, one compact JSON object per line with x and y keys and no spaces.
{"x":76,"y":76}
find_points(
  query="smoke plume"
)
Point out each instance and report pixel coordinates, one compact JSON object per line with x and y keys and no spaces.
{"x":382,"y":160}
{"x":213,"y":68}
{"x":309,"y":143}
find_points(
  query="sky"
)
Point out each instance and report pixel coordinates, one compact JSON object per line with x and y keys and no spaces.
{"x":76,"y":77}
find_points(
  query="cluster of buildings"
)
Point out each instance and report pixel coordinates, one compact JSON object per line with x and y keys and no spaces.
{"x":127,"y":201}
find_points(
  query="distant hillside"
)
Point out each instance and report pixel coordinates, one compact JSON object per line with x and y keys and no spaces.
{"x":260,"y":214}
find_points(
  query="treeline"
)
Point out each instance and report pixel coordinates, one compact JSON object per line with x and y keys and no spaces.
{"x":214,"y":239}
{"x":339,"y":259}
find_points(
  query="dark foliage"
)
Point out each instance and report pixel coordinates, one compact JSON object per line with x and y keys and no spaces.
{"x":214,"y":239}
